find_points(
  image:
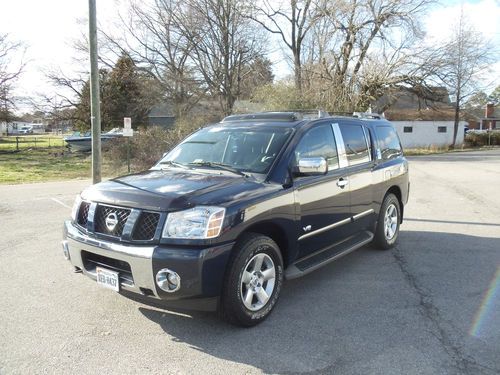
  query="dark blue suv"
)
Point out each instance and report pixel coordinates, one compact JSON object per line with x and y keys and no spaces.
{"x":237,"y":207}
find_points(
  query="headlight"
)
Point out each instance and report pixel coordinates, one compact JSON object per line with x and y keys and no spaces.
{"x":198,"y":222}
{"x":76,"y":205}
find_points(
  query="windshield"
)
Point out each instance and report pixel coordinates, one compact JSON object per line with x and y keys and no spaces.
{"x":250,"y":150}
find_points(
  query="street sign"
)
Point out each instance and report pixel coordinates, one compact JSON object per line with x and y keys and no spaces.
{"x":128,"y":132}
{"x":127,"y":123}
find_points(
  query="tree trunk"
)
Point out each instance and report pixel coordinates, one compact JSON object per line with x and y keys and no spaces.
{"x":297,"y":71}
{"x":229,"y":100}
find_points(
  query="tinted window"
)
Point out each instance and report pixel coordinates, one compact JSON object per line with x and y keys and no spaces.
{"x":388,"y":142}
{"x":318,"y":142}
{"x":356,"y":147}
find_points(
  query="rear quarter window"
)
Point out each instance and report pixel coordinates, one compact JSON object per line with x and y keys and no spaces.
{"x":388,"y":142}
{"x":356,"y":144}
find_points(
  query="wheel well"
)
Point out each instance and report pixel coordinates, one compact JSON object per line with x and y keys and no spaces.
{"x":397,"y":192}
{"x":273,"y":231}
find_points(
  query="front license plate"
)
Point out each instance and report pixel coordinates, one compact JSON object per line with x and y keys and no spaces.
{"x":108,"y":279}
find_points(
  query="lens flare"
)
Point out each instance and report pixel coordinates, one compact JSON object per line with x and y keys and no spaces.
{"x":486,"y":308}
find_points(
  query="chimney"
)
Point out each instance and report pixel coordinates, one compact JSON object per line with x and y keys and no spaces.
{"x":490,"y":109}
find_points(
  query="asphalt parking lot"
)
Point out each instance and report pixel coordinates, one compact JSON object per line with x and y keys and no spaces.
{"x":430,"y":306}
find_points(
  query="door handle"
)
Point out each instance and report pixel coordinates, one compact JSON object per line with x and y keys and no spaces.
{"x":342,"y":183}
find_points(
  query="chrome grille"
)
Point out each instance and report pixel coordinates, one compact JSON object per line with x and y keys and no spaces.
{"x":102,"y":212}
{"x":83,"y":214}
{"x":145,"y":228}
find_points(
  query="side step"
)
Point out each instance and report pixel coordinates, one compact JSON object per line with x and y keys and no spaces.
{"x":314,"y":261}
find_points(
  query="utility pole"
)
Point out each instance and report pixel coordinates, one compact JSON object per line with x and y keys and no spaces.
{"x":95,"y":107}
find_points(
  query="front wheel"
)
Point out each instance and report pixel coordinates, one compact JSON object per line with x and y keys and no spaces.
{"x":387,"y":230}
{"x":253,"y":281}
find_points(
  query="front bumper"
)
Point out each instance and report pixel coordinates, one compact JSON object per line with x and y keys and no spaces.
{"x":201,"y":269}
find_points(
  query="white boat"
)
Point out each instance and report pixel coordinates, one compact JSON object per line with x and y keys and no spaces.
{"x":79,"y":142}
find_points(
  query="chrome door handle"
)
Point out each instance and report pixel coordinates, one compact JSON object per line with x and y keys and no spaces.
{"x":341,"y":183}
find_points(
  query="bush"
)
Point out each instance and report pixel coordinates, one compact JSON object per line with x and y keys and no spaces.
{"x":478,"y":139}
{"x":146,"y":147}
{"x":149,"y":144}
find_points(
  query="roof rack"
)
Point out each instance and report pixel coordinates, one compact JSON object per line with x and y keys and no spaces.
{"x":274,"y":116}
{"x":367,"y":115}
{"x":291,"y":116}
{"x":311,"y":114}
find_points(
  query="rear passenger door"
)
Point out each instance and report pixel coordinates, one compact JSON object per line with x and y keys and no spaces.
{"x":323,"y":201}
{"x":359,"y":154}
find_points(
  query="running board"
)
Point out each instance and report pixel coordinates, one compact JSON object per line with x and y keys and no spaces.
{"x":322,"y":257}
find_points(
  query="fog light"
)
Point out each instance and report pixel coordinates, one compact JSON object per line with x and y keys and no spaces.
{"x":65,"y":249}
{"x":168,"y":280}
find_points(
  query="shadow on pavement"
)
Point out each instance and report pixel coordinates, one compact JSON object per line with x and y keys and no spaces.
{"x":361,"y":314}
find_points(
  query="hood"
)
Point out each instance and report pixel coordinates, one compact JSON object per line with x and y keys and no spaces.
{"x":168,"y":190}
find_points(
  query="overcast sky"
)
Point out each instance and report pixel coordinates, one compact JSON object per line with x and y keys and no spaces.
{"x":49,"y":26}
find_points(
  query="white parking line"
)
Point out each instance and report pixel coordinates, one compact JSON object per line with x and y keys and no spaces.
{"x":61,"y":203}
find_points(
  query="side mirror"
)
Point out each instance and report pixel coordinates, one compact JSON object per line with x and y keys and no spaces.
{"x":311,"y":167}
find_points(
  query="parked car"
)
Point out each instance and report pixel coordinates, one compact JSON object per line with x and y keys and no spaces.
{"x":237,"y":207}
{"x":26,"y":129}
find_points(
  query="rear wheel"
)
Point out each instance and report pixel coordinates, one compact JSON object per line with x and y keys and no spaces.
{"x":387,"y":231}
{"x":253,"y":281}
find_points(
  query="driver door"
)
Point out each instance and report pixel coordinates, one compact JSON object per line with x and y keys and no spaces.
{"x":323,"y":201}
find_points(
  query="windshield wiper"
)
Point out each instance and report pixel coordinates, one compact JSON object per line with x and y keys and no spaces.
{"x":173,"y":164}
{"x":225,"y":167}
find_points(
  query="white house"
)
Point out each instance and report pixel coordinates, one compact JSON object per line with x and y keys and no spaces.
{"x":417,"y":134}
{"x":14,"y":127}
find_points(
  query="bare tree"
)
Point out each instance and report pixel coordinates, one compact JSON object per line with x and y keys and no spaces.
{"x":72,"y":94}
{"x":193,"y":48}
{"x":11,"y":67}
{"x":155,"y":41}
{"x":365,"y":47}
{"x":291,"y":21}
{"x":460,"y":63}
{"x":223,"y":42}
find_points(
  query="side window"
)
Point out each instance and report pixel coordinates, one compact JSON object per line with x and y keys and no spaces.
{"x":319,"y":142}
{"x":356,"y":146}
{"x":389,"y":144}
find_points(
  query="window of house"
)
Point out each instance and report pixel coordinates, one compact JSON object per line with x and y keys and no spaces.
{"x":388,"y":141}
{"x":319,"y":142}
{"x":442,"y":129}
{"x":408,"y":129}
{"x":356,"y":146}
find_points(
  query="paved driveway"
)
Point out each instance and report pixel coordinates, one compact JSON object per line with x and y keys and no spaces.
{"x":431,"y":306}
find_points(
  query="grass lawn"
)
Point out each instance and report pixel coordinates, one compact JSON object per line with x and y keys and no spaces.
{"x":39,"y":164}
{"x":23,"y":142}
{"x":45,"y":163}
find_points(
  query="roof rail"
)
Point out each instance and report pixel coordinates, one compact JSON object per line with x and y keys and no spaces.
{"x":367,"y":115}
{"x":311,"y":114}
{"x":273,"y":116}
{"x":293,"y":115}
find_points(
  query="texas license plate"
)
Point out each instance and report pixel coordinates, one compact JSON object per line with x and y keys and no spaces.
{"x":108,"y":279}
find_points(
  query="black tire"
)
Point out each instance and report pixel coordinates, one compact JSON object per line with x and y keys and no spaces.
{"x":382,"y":240}
{"x":233,"y":308}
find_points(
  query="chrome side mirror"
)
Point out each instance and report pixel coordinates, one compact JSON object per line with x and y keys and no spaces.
{"x":311,"y":166}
